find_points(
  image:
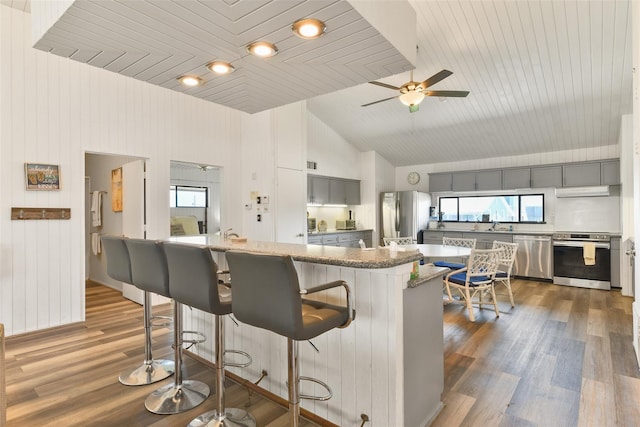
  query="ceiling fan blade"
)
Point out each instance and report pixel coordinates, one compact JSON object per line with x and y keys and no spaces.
{"x":447,"y":93}
{"x":385,"y":85}
{"x":376,"y":102}
{"x":435,"y":78}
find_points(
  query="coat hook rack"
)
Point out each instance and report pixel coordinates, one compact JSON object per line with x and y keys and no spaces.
{"x":40,"y":213}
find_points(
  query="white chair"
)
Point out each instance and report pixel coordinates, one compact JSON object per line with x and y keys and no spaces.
{"x":475,"y":279}
{"x":458,"y":242}
{"x":399,"y":240}
{"x":507,"y":256}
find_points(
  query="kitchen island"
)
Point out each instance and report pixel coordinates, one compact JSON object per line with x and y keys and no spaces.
{"x":387,"y":364}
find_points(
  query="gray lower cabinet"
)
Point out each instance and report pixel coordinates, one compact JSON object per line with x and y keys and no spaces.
{"x":485,"y":240}
{"x":615,"y":262}
{"x":581,"y":174}
{"x":349,"y":239}
{"x":546,"y":176}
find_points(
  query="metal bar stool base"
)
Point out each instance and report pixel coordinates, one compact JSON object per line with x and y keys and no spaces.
{"x":148,"y":373}
{"x":172,"y":399}
{"x":234,"y":417}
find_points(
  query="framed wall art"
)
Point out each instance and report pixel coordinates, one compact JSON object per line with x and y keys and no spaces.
{"x":41,"y":176}
{"x":116,"y":190}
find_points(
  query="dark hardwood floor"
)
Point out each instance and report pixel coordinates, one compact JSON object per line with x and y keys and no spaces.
{"x":562,"y":357}
{"x":68,"y":376}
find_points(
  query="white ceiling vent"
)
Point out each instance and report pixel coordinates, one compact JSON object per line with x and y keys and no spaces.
{"x":596,"y":191}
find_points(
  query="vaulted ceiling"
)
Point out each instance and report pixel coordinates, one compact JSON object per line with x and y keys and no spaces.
{"x":543,"y":76}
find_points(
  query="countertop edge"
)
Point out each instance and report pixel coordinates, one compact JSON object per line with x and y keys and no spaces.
{"x":426,"y":274}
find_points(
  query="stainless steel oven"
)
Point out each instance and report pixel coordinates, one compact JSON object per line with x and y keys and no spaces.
{"x":569,"y":267}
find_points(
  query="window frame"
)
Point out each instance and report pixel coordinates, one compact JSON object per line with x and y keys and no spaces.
{"x":519,"y":196}
{"x":178,"y":186}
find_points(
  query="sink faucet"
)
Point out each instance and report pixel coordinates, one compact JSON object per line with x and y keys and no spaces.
{"x":494,"y":225}
{"x":226,"y":234}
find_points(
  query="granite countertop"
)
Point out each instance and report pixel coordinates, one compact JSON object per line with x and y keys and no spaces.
{"x":331,"y":255}
{"x":427,"y":272}
{"x":320,"y":233}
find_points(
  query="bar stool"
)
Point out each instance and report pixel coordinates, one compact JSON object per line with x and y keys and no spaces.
{"x":194,"y":282}
{"x":150,"y":265}
{"x":267,"y":294}
{"x":119,"y":268}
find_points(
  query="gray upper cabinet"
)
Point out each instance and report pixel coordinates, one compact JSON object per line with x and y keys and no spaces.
{"x":581,"y":174}
{"x":317,"y":189}
{"x":516,"y":178}
{"x":610,"y":172}
{"x":352,"y":192}
{"x":546,"y":176}
{"x":489,"y":180}
{"x":464,"y":181}
{"x":439,"y":182}
{"x":336,"y":191}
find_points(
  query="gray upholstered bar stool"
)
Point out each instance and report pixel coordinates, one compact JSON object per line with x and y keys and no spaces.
{"x":119,"y":268}
{"x":194,"y":281}
{"x":267,"y":294}
{"x":150,"y":264}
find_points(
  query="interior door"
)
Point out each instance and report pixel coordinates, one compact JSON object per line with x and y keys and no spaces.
{"x":133,"y":215}
{"x":291,"y":217}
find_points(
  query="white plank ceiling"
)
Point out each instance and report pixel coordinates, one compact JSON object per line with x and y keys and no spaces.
{"x":543,"y":75}
{"x":158,"y":41}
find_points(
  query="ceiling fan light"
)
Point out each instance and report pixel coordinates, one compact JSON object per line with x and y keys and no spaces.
{"x":191,"y":81}
{"x":309,"y":28}
{"x":411,"y":98}
{"x":262,"y":49}
{"x":220,"y":67}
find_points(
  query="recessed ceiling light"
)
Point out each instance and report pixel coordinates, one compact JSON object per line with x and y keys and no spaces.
{"x":309,"y":28}
{"x":191,"y":81}
{"x":220,"y":67}
{"x":262,"y":49}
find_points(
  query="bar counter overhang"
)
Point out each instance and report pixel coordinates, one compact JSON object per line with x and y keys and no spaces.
{"x":387,"y":364}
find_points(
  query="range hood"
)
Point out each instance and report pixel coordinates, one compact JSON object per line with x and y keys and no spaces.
{"x":594,"y":191}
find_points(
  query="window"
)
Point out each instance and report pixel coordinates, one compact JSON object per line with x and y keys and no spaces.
{"x":182,"y":196}
{"x":509,"y":208}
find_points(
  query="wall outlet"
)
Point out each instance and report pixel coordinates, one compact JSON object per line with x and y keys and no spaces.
{"x":258,"y":200}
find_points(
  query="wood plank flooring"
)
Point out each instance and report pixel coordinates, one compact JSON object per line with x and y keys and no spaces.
{"x":562,"y":357}
{"x":68,"y":376}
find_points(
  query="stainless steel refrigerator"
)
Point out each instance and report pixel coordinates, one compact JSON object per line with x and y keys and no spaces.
{"x":403,"y":213}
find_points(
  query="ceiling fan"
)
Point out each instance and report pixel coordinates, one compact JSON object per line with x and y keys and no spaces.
{"x":412,"y":93}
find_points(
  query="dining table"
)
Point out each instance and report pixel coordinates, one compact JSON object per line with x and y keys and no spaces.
{"x":433,"y":251}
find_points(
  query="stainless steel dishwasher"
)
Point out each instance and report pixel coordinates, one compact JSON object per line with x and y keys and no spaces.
{"x":533,"y":257}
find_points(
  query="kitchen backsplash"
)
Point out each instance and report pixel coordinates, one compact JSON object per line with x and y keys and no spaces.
{"x":331,"y":215}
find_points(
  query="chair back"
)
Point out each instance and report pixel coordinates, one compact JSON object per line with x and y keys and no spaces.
{"x":118,"y":263}
{"x":399,"y":240}
{"x":506,"y":255}
{"x":482,"y":264}
{"x":459,"y":242}
{"x":193,"y":278}
{"x":266,"y":291}
{"x":148,"y":266}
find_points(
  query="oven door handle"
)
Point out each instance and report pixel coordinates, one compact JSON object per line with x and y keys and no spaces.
{"x":574,"y":244}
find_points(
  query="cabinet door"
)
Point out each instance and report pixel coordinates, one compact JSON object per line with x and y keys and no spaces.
{"x":337,"y":192}
{"x":489,"y":180}
{"x":439,"y":182}
{"x":353,"y":192}
{"x":581,"y":174}
{"x":463,"y":181}
{"x":546,"y":176}
{"x":516,"y":178}
{"x":610,"y":172}
{"x":319,"y":189}
{"x":615,"y":262}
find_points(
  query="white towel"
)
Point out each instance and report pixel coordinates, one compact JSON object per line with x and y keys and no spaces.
{"x":96,"y":244}
{"x":589,"y":253}
{"x":96,"y":209}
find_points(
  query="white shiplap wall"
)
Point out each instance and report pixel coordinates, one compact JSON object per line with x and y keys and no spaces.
{"x":53,"y":110}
